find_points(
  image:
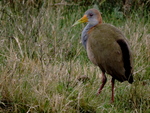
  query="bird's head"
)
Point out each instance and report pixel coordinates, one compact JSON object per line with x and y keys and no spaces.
{"x":91,"y":16}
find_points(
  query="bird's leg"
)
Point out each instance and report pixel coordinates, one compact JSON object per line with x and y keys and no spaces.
{"x":104,"y":79}
{"x":112,"y":83}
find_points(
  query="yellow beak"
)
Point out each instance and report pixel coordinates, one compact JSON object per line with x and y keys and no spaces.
{"x":82,"y":20}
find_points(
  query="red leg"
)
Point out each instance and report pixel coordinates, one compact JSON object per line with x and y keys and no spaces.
{"x":104,"y":79}
{"x":112,"y":83}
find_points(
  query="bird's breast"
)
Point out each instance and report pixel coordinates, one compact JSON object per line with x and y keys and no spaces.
{"x":91,"y":54}
{"x":94,"y":50}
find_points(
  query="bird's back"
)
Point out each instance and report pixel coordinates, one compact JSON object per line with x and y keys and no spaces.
{"x":108,"y":48}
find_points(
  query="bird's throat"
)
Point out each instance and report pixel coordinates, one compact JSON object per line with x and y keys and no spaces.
{"x":85,"y":33}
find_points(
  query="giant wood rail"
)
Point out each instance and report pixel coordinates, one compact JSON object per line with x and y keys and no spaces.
{"x":106,"y":47}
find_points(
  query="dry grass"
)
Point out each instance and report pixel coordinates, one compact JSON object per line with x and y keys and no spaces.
{"x":41,"y":60}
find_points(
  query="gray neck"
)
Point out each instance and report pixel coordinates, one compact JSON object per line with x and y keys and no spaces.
{"x":84,"y":35}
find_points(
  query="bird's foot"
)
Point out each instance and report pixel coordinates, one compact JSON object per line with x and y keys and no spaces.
{"x":112,"y":100}
{"x":99,"y":91}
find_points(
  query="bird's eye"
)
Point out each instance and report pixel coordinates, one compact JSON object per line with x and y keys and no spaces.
{"x":90,"y":14}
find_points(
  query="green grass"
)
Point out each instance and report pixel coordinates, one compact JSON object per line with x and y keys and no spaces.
{"x":41,"y":59}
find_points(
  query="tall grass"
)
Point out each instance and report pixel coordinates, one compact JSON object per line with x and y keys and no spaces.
{"x":42,"y":59}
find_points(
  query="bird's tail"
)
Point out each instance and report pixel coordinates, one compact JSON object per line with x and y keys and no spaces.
{"x":130,"y":79}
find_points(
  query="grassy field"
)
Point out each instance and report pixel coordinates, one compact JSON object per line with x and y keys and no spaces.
{"x":42,"y":59}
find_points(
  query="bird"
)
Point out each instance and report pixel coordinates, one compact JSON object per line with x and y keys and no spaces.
{"x":108,"y":48}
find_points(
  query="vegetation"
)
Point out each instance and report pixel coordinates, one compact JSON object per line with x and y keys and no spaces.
{"x":42,"y":61}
